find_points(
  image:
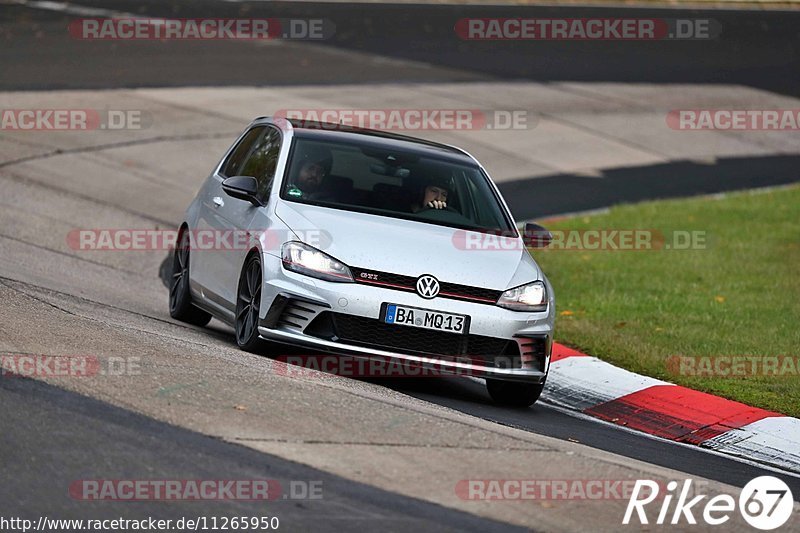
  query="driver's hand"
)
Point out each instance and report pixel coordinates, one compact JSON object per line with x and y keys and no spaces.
{"x":437,"y":204}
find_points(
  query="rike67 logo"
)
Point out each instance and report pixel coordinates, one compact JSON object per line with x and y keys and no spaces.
{"x":765,"y":503}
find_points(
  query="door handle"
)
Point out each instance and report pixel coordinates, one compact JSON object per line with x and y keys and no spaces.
{"x":218,"y":202}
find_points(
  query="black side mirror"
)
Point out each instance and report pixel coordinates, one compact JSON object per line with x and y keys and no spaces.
{"x":243,"y":188}
{"x":537,"y":236}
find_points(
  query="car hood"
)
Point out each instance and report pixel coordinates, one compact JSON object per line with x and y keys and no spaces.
{"x":409,"y":248}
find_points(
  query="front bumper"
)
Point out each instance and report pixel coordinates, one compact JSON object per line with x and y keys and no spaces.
{"x":311,"y":298}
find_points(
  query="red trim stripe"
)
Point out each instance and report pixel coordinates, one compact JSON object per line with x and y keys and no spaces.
{"x":470,"y":298}
{"x":412,"y":289}
{"x":385,"y":284}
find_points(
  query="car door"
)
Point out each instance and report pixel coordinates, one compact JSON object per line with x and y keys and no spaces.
{"x":226,"y":221}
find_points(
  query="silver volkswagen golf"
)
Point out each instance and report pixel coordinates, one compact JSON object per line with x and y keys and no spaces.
{"x":371,"y":245}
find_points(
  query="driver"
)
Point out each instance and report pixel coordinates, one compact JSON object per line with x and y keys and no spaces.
{"x":309,"y":182}
{"x":432,"y":196}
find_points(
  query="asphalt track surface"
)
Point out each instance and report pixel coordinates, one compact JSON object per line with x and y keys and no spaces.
{"x":379,"y":43}
{"x":754,"y":48}
{"x":69,"y":437}
{"x":51,"y":436}
{"x":570,"y":193}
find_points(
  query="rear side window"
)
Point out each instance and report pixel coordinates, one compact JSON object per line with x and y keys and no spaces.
{"x":239,"y":154}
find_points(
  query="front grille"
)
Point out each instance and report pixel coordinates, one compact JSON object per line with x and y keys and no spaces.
{"x":409,"y":284}
{"x":466,"y":292}
{"x":370,"y":332}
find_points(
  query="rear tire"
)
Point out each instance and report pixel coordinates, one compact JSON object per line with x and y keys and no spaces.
{"x":180,"y":299}
{"x":514,"y":394}
{"x":248,"y":304}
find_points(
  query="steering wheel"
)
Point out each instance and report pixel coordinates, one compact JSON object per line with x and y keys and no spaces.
{"x":447,"y":215}
{"x":448,"y":208}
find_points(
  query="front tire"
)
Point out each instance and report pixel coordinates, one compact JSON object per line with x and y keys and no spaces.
{"x":514,"y":394}
{"x":248,"y":304}
{"x":180,"y":299}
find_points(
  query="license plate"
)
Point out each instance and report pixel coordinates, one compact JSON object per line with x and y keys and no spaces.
{"x":425,"y":318}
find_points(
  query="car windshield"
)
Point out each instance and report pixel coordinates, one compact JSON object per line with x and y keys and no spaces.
{"x":393,"y":183}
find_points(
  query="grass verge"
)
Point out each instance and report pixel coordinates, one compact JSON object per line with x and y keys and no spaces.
{"x":649,"y":310}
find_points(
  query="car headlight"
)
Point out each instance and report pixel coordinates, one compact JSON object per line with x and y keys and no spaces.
{"x":304,"y":259}
{"x":530,"y":297}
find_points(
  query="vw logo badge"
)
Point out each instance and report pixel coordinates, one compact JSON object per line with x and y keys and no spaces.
{"x":427,"y":286}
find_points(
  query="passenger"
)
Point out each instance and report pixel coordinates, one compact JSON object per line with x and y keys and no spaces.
{"x":432,"y":196}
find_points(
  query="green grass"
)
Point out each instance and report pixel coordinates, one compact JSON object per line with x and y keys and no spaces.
{"x":738,"y":296}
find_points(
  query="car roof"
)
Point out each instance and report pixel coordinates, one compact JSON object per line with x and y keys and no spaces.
{"x":329,"y":132}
